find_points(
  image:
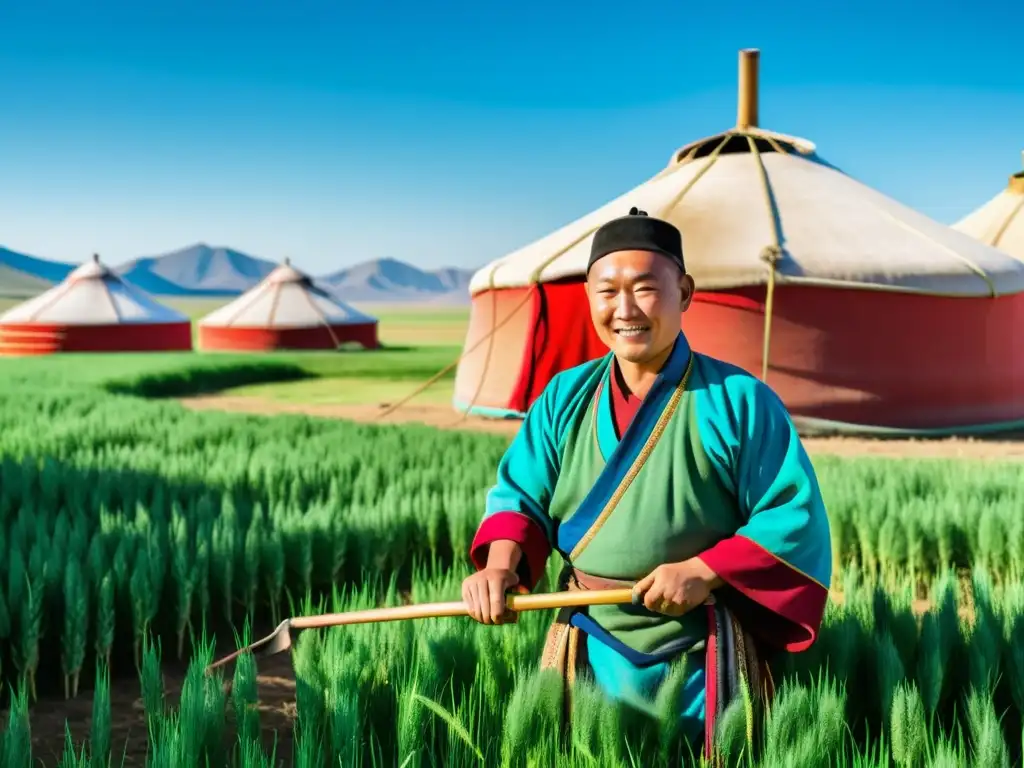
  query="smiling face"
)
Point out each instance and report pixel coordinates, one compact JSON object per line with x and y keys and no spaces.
{"x":636,"y":299}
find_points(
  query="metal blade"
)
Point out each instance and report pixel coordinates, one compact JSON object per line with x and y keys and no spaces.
{"x":278,"y":641}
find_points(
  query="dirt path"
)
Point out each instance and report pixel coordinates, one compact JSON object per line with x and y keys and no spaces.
{"x":444,"y":417}
{"x":431,"y":414}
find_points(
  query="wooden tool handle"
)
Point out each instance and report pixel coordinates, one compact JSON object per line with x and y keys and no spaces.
{"x":570,"y":599}
{"x":440,"y":610}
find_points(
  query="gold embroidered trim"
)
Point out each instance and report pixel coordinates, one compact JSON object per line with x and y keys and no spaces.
{"x":638,"y":463}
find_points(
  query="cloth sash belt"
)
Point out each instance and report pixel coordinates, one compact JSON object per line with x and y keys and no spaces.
{"x":733,"y":669}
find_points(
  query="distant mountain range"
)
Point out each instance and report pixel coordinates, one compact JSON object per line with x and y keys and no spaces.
{"x":199,"y":270}
{"x":384,"y":280}
{"x":206,"y":271}
{"x":22,"y":275}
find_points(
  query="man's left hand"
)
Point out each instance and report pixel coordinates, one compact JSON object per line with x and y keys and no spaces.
{"x":674,"y":589}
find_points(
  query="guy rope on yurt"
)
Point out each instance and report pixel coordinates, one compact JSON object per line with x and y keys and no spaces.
{"x":745,"y":129}
{"x":795,"y":263}
{"x":534,"y":283}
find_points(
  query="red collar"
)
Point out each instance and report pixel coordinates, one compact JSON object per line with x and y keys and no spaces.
{"x":620,"y":391}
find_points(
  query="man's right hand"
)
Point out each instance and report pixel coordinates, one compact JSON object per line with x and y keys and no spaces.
{"x":485,"y":592}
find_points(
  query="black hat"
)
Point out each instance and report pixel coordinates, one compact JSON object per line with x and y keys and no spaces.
{"x":637,"y":232}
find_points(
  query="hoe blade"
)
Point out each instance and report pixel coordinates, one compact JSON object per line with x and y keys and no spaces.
{"x":278,"y":641}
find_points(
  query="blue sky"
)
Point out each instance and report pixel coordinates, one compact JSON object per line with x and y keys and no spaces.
{"x":453,"y":132}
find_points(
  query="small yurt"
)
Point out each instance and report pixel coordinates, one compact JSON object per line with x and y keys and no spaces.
{"x":864,"y":315}
{"x":287,"y":310}
{"x":93,"y":310}
{"x":1000,"y":221}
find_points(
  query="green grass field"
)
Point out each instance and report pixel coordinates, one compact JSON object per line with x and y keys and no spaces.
{"x":418,"y":342}
{"x":135,"y":533}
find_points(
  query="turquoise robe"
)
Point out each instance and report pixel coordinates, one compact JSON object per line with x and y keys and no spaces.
{"x":727,"y":480}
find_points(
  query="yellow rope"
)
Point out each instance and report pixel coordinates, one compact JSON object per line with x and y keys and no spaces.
{"x":775,"y":144}
{"x":490,"y":349}
{"x":769,"y":305}
{"x":971,"y":265}
{"x":1006,"y":224}
{"x":532,"y":284}
{"x":771,"y":255}
{"x":437,"y":376}
{"x":697,"y":176}
{"x":829,"y":282}
{"x":275,"y":299}
{"x":323,"y":318}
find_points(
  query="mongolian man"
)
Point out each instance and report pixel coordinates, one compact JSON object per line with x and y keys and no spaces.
{"x":663,"y":469}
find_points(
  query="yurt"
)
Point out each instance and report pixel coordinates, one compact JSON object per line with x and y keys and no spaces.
{"x":1000,"y":221}
{"x":861,"y":313}
{"x":287,"y":310}
{"x":93,"y":310}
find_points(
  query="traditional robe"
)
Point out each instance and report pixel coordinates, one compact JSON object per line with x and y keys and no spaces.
{"x":707,"y":465}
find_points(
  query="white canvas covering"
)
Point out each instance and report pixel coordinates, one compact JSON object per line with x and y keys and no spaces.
{"x":93,"y":295}
{"x":286,"y":298}
{"x":1000,"y":221}
{"x":832,"y":229}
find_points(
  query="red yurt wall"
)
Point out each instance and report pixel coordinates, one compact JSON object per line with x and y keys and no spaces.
{"x":858,"y":357}
{"x":48,"y":338}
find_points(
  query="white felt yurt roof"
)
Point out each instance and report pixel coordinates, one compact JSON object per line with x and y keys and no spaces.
{"x":739,"y":195}
{"x":1000,"y":221}
{"x":92,"y":294}
{"x":286,"y":298}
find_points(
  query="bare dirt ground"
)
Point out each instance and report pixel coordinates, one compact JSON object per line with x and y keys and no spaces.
{"x":48,"y":715}
{"x":435,"y":415}
{"x":443,"y":416}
